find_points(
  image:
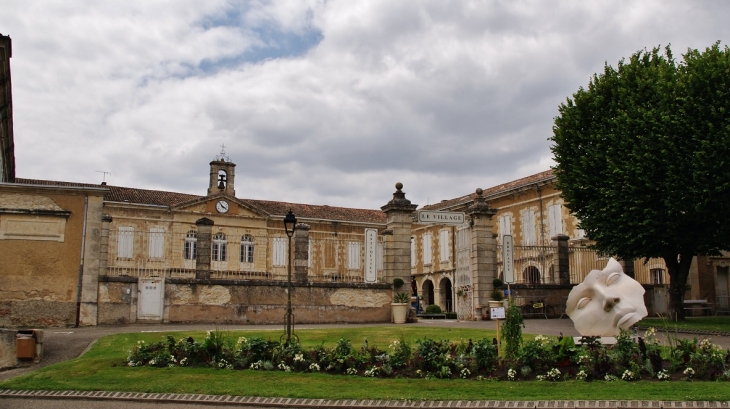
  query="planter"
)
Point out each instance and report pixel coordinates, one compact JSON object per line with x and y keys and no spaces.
{"x":496,"y":304}
{"x":400,"y":312}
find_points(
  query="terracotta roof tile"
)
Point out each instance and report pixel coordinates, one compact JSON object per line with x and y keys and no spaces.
{"x":163,"y":198}
{"x":494,"y":191}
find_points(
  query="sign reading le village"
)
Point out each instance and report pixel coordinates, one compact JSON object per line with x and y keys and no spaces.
{"x":455,"y":218}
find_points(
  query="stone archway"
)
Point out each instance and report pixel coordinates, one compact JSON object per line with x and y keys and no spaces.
{"x":427,"y":292}
{"x":531,"y":275}
{"x":446,"y":295}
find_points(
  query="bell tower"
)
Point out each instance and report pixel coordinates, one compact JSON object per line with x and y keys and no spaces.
{"x":222,"y":175}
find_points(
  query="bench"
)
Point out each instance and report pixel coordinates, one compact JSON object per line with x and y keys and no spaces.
{"x":432,"y":316}
{"x":698,"y":305}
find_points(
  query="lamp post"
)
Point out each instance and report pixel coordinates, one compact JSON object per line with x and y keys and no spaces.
{"x":290,"y":224}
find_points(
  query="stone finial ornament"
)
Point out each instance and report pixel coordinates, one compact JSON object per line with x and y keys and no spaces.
{"x":606,"y":302}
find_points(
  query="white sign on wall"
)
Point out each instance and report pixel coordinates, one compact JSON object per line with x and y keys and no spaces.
{"x":508,"y":260}
{"x":454,"y":218}
{"x":371,"y":255}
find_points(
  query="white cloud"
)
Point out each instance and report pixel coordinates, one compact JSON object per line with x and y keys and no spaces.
{"x":326,"y":103}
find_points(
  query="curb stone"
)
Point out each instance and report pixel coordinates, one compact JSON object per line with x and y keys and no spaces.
{"x":248,"y":401}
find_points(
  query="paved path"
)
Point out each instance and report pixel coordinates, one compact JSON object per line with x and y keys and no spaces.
{"x":67,"y":343}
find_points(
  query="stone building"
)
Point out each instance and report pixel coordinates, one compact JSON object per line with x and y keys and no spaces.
{"x":148,"y":253}
{"x":550,"y":251}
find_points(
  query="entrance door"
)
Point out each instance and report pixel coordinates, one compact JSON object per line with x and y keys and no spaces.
{"x":149,"y":305}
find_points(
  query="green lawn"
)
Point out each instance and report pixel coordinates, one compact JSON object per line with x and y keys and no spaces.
{"x":102,"y":368}
{"x":719,"y":323}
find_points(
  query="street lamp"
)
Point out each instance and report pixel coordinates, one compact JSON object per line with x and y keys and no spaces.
{"x":290,"y":224}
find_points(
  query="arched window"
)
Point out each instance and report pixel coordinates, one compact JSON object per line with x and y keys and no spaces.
{"x":531,"y":275}
{"x":246,"y":249}
{"x":219,"y":247}
{"x":190,"y":248}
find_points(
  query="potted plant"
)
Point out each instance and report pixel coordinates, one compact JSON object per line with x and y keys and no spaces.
{"x":496,"y":294}
{"x":400,"y":307}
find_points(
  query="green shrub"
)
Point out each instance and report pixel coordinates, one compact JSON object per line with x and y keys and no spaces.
{"x":512,"y":331}
{"x":433,"y":309}
{"x":398,"y":282}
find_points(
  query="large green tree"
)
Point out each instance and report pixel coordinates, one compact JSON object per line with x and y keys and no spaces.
{"x":643,"y":158}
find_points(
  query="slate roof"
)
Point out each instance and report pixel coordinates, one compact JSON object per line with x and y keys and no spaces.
{"x":495,"y":190}
{"x":163,"y":198}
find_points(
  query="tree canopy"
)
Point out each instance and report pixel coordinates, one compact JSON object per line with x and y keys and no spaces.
{"x":643,"y":158}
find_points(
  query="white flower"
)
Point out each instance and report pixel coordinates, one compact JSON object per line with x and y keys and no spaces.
{"x":663,"y":375}
{"x":581,"y":376}
{"x":314,"y":367}
{"x":465,"y":373}
{"x":298,"y":357}
{"x":511,"y":373}
{"x":351,"y":371}
{"x":554,"y":374}
{"x":183,"y":362}
{"x":689,"y":372}
{"x":627,"y":375}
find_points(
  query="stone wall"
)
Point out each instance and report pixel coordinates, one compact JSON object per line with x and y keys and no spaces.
{"x":41,"y":231}
{"x":248,"y":302}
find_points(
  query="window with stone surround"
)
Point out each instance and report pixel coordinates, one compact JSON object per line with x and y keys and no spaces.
{"x":157,"y":243}
{"x":444,"y":245}
{"x":247,"y":248}
{"x":555,"y":219}
{"x":220,"y":247}
{"x":426,"y":243}
{"x":505,"y":226}
{"x":190,"y":246}
{"x":279,"y":251}
{"x":353,"y":255}
{"x":529,"y":235}
{"x":125,"y":242}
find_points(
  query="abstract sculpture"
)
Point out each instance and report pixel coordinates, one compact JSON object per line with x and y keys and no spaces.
{"x":606,"y":302}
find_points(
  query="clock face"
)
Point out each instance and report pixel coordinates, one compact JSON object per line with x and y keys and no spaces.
{"x":222,"y":206}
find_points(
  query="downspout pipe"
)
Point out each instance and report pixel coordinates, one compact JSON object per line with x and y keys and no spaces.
{"x":81,"y":264}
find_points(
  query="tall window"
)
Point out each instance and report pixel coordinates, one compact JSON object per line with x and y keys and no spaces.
{"x":190,"y":247}
{"x":426,"y":242}
{"x":657,"y":275}
{"x":555,"y":214}
{"x":247,"y":249}
{"x":125,"y":242}
{"x":310,"y":243}
{"x":413,"y":251}
{"x":353,"y":255}
{"x":529,"y":238}
{"x":220,"y":247}
{"x":444,"y":245}
{"x":279,"y":256}
{"x":157,"y":242}
{"x":505,"y":226}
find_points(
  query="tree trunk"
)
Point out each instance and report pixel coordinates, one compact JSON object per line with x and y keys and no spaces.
{"x":678,"y":273}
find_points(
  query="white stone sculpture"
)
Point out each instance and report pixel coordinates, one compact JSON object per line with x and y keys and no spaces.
{"x":605,"y":302}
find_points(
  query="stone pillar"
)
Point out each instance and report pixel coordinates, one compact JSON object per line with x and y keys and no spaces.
{"x":104,"y":244}
{"x":203,"y":248}
{"x":301,"y":253}
{"x":397,"y":249}
{"x":483,"y":253}
{"x":88,"y":307}
{"x":561,"y":241}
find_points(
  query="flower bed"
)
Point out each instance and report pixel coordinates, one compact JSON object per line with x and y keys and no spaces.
{"x":542,"y":358}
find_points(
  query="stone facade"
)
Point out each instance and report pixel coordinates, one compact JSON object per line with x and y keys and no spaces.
{"x":41,"y":234}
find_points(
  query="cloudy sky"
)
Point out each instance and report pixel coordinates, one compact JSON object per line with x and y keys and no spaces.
{"x":316,"y":102}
